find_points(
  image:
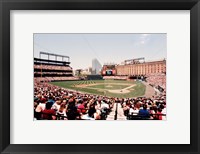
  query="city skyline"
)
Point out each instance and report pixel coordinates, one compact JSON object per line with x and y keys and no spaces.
{"x":106,"y":48}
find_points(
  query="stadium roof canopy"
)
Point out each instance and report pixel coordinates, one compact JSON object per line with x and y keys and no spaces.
{"x":56,"y":55}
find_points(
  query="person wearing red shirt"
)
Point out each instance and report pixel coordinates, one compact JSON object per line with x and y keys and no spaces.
{"x":48,"y":113}
{"x":159,"y":114}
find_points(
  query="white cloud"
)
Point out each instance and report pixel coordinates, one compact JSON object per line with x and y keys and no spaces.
{"x":144,"y":38}
{"x":145,"y":35}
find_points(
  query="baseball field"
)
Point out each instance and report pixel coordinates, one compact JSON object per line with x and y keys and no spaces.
{"x":111,"y":88}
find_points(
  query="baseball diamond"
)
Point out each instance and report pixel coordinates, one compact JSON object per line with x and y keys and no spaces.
{"x":110,"y":88}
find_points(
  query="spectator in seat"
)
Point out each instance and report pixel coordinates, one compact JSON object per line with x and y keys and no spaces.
{"x":159,"y":114}
{"x":152,"y":113}
{"x":72,"y":112}
{"x":91,"y":111}
{"x":81,"y":108}
{"x":163,"y":107}
{"x":133,"y":111}
{"x":144,"y":113}
{"x":48,"y":113}
{"x":61,"y":113}
{"x":56,"y":105}
{"x":40,"y":107}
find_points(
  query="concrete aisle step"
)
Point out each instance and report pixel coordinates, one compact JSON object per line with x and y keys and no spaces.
{"x":111,"y":116}
{"x":120,"y":113}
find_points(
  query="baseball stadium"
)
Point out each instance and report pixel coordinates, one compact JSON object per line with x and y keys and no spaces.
{"x":134,"y":89}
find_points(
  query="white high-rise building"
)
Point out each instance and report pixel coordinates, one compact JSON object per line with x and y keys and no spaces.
{"x":96,"y":67}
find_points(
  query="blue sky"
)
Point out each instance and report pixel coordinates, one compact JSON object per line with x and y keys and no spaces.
{"x":107,"y":48}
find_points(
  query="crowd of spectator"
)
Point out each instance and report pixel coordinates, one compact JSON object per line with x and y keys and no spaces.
{"x":48,"y":73}
{"x":157,"y":79}
{"x":153,"y":108}
{"x":51,"y":73}
{"x":52,"y":67}
{"x":115,"y":77}
{"x":55,"y":103}
{"x":49,"y":79}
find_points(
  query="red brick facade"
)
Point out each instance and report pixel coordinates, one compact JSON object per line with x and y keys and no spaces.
{"x":142,"y":68}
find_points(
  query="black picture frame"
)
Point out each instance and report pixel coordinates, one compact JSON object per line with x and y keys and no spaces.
{"x":7,"y":5}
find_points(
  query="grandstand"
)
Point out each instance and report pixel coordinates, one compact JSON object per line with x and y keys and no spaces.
{"x":53,"y":70}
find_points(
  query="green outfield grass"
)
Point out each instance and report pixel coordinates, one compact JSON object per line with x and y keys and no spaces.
{"x":106,"y":87}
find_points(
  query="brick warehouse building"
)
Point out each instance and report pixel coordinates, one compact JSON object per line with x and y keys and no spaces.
{"x":144,"y":68}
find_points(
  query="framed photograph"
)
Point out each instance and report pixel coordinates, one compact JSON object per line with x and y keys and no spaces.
{"x":99,"y":76}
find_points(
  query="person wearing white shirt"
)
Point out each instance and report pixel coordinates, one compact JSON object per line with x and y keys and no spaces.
{"x":56,"y":105}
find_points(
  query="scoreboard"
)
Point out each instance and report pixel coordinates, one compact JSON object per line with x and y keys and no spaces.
{"x":108,"y":72}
